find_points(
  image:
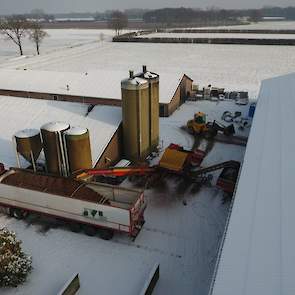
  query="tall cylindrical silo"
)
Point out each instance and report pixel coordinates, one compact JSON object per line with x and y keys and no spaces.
{"x":53,"y":147}
{"x":29,"y":144}
{"x":153,"y":80}
{"x":78,"y":150}
{"x":136,"y":118}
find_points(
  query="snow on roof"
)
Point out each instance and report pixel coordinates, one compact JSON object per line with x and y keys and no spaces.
{"x":150,"y":75}
{"x":55,"y":126}
{"x":20,"y":113}
{"x":26,"y":133}
{"x":75,"y":130}
{"x":258,"y":251}
{"x":99,"y":84}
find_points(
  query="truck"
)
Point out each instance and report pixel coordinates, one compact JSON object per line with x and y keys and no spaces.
{"x":91,"y":206}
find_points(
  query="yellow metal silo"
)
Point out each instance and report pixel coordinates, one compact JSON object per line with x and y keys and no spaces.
{"x":153,"y":80}
{"x":78,"y":150}
{"x":29,"y":144}
{"x":136,"y":118}
{"x":53,"y":147}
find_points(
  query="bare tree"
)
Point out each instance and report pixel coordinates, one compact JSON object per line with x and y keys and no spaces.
{"x":118,"y":21}
{"x":15,"y":28}
{"x":37,"y":34}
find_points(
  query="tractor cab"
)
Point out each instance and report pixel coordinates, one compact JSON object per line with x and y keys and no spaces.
{"x":198,"y":124}
{"x":200,"y":118}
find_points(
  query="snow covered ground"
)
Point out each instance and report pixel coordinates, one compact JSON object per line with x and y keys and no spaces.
{"x":58,"y":39}
{"x":184,"y":239}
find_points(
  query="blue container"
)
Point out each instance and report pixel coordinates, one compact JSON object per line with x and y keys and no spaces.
{"x":252,"y":110}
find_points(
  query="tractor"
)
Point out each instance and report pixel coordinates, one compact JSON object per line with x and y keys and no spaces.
{"x":200,"y":126}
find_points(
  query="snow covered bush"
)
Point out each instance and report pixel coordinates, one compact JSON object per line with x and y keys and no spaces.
{"x":14,"y":263}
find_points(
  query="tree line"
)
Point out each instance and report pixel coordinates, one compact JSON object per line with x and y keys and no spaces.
{"x":190,"y":15}
{"x":15,"y":28}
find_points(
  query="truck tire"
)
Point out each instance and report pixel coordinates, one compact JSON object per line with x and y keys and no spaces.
{"x":90,"y":230}
{"x":75,"y":227}
{"x":106,"y":234}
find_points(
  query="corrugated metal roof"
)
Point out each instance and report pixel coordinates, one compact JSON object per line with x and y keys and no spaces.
{"x":258,"y":252}
{"x":20,"y":113}
{"x":97,"y":84}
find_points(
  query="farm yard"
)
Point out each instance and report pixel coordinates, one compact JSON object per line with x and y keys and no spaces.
{"x":184,"y":226}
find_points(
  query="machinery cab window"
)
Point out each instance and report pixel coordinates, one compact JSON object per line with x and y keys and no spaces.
{"x":200,"y":118}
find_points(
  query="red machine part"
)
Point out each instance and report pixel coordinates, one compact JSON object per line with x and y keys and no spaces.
{"x":197,"y":157}
{"x":117,"y":172}
{"x":228,"y":178}
{"x":2,"y":168}
{"x":174,"y":146}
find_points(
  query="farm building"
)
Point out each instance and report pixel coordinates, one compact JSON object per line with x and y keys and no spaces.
{"x":96,"y":87}
{"x":257,"y":253}
{"x":103,"y":123}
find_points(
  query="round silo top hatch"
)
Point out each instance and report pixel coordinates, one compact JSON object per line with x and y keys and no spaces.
{"x":56,"y":126}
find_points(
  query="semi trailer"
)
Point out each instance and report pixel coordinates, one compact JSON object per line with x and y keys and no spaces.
{"x":90,"y":206}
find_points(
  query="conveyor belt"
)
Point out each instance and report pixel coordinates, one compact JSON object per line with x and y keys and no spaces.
{"x":227,"y":164}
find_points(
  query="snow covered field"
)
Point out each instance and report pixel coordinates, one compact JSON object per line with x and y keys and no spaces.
{"x":57,"y":40}
{"x":183,"y":239}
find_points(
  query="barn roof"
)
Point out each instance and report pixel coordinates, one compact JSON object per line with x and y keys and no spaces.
{"x":257,"y":256}
{"x":97,"y":84}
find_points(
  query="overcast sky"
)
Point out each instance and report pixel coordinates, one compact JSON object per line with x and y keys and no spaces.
{"x":54,"y":6}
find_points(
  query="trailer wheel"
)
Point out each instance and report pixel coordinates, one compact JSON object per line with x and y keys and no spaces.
{"x":75,"y":227}
{"x":106,"y":234}
{"x":18,"y":213}
{"x":90,"y":230}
